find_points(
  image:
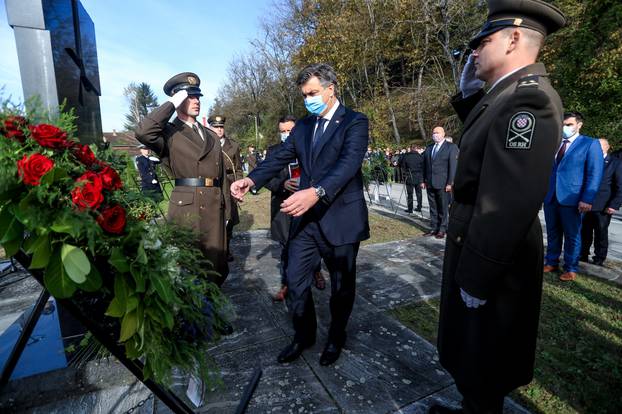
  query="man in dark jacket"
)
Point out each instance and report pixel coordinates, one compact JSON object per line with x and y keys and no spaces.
{"x":411,"y":165}
{"x":149,"y":182}
{"x":492,"y":269}
{"x":439,"y":168}
{"x":595,"y":226}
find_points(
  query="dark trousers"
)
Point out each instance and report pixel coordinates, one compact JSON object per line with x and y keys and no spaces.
{"x":229,"y":234}
{"x":595,"y":227}
{"x":283,"y":264}
{"x":304,"y":252}
{"x":409,"y":195}
{"x":438,"y":200}
{"x":478,"y":402}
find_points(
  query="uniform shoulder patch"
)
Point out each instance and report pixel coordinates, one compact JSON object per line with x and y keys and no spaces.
{"x":520,"y":131}
{"x":528,"y":81}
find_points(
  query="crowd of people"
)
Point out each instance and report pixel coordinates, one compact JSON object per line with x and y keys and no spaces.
{"x":510,"y":161}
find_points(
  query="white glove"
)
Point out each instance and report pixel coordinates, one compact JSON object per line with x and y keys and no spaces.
{"x":471,"y":301}
{"x":178,"y":98}
{"x":469,"y":84}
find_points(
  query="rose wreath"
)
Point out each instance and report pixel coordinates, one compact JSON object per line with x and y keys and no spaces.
{"x":67,"y":208}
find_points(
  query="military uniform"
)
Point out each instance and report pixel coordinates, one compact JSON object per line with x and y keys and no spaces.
{"x":494,"y":247}
{"x":149,"y":182}
{"x":233,"y":169}
{"x":200,"y":199}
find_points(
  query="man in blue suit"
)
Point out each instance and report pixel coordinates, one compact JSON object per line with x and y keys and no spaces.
{"x":595,"y":226}
{"x":330,"y":214}
{"x":574,"y":182}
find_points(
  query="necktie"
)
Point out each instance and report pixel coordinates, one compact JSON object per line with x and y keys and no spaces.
{"x":318,"y":131}
{"x":434,"y":151}
{"x":562,"y":151}
{"x":195,"y":128}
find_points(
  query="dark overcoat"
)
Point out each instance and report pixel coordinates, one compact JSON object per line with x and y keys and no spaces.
{"x":233,"y":169}
{"x":494,"y":240}
{"x":186,"y":155}
{"x":279,"y":221}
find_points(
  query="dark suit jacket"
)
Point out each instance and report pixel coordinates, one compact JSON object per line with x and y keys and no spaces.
{"x":440,"y":171}
{"x":335,"y":165}
{"x":146,"y":169}
{"x":610,"y":192}
{"x":411,"y":164}
{"x":279,"y":222}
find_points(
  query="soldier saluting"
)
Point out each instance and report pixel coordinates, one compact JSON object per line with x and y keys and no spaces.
{"x":492,"y":271}
{"x":193,"y":155}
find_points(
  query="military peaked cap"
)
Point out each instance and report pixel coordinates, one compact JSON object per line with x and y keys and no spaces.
{"x":186,"y":80}
{"x":537,"y":15}
{"x":217,"y":120}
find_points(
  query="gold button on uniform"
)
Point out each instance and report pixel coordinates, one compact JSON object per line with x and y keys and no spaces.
{"x":179,"y":202}
{"x":458,"y":239}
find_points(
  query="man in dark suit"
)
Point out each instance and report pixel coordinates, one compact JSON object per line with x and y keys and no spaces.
{"x":233,"y":169}
{"x":573,"y":184}
{"x":149,"y":182}
{"x":329,"y":210}
{"x":411,"y":165}
{"x":492,"y":270}
{"x":439,"y":168}
{"x":192,"y":154}
{"x":595,"y":226}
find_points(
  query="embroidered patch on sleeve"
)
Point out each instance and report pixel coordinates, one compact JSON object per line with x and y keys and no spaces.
{"x":520,"y":131}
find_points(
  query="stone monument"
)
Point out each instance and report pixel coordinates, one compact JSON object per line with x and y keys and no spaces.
{"x":57,"y":55}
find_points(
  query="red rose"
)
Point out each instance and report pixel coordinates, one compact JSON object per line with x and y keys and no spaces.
{"x":14,"y":127}
{"x":112,"y":219}
{"x":84,"y":154}
{"x":32,"y":168}
{"x":88,"y":195}
{"x":110,"y":178}
{"x":49,"y":136}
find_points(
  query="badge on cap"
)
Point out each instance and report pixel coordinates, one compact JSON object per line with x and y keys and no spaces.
{"x":192,"y":80}
{"x":520,"y":131}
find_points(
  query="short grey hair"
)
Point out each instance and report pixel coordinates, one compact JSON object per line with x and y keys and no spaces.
{"x":324,"y":72}
{"x":533,"y":38}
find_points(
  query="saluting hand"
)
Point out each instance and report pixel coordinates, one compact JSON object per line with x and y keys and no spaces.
{"x":240,"y":187}
{"x":300,"y":202}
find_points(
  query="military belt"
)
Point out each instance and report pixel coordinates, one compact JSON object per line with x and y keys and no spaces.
{"x":198,"y":182}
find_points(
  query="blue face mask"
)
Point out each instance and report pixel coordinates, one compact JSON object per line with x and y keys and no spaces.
{"x":315,"y":104}
{"x":568,"y":131}
{"x":284,"y":136}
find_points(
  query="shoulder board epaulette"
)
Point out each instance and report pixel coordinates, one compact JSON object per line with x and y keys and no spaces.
{"x":528,"y":81}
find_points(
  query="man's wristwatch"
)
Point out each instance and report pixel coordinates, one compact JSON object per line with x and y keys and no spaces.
{"x":319,"y":191}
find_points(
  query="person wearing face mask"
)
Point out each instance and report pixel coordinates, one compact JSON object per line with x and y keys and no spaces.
{"x":193,"y":155}
{"x":281,"y":187}
{"x":573,"y":184}
{"x":595,"y":224}
{"x":492,"y":269}
{"x":439,"y":169}
{"x":233,"y":169}
{"x":329,"y":210}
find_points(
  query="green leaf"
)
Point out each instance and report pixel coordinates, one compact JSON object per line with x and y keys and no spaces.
{"x":55,"y":174}
{"x":121,"y":291}
{"x":93,"y":281}
{"x":10,"y":228}
{"x":139,"y":278}
{"x":76,"y":263}
{"x":132,"y":303}
{"x":162,"y":288}
{"x":41,"y":251}
{"x":141,"y":256}
{"x":166,"y":314}
{"x":129,"y":324}
{"x":114,"y":309}
{"x":118,"y":260}
{"x":12,"y":247}
{"x":65,"y":226}
{"x":56,"y":279}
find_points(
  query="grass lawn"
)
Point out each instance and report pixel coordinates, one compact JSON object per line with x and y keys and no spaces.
{"x":255,"y":215}
{"x":579,"y":353}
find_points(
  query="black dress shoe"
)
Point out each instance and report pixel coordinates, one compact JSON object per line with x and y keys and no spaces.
{"x":583,"y":259}
{"x":408,"y":211}
{"x":418,"y":209}
{"x":443,"y":409}
{"x":331,"y":354}
{"x":292,"y":352}
{"x":598,"y":262}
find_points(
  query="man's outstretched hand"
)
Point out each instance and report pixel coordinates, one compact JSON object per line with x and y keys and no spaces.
{"x":241,"y":187}
{"x":300,"y":202}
